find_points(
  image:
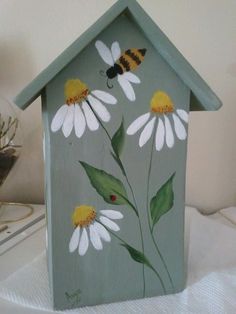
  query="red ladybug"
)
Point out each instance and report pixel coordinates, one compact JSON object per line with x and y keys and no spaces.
{"x":113,"y":198}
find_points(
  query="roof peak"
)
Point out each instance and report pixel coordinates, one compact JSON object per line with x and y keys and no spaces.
{"x":202,"y":97}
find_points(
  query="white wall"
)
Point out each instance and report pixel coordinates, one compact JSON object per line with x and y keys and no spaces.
{"x":33,"y":33}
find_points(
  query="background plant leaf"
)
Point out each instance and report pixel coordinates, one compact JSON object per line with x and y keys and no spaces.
{"x":118,"y":139}
{"x":163,"y":201}
{"x":137,"y":256}
{"x":110,"y":188}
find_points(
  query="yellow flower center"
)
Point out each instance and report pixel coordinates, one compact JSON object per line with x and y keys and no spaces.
{"x":75,"y":91}
{"x":161,"y":103}
{"x":83,"y":215}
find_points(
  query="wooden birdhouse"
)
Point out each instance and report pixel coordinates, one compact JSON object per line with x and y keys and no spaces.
{"x":115,"y":112}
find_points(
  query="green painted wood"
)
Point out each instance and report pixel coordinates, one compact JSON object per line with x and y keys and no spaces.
{"x":102,"y":275}
{"x":47,"y":191}
{"x":34,"y":89}
{"x":206,"y":98}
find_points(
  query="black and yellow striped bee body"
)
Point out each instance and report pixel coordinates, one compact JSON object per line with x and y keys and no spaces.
{"x":128,"y":61}
{"x":131,"y":59}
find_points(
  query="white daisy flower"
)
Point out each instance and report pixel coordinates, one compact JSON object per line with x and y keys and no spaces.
{"x":88,"y":226}
{"x":81,"y":108}
{"x":162,"y":113}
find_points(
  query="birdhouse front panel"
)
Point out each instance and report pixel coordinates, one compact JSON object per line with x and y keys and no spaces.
{"x":115,"y":144}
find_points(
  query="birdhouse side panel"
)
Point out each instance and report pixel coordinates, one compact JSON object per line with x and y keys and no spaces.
{"x":116,"y":134}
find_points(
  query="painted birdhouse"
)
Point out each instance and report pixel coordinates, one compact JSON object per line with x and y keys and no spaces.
{"x":115,"y":111}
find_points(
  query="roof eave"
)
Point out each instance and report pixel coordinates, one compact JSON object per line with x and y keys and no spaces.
{"x":35,"y":87}
{"x":204,"y":98}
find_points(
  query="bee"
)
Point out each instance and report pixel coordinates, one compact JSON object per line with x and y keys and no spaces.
{"x":121,"y":65}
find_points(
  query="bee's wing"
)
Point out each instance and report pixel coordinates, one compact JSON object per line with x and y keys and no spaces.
{"x":127,"y":87}
{"x":131,"y":77}
{"x":104,"y":52}
{"x":115,"y":51}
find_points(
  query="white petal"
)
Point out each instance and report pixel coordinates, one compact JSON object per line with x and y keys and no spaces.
{"x":79,"y":121}
{"x":115,"y":50}
{"x":131,"y":77}
{"x":84,"y":243}
{"x":138,"y":123}
{"x":127,"y":87}
{"x":91,"y":120}
{"x":113,"y":214}
{"x":99,"y":108}
{"x":95,"y":238}
{"x":104,"y":52}
{"x":74,"y":241}
{"x":105,"y":97}
{"x":102,"y":231}
{"x":169,"y":133}
{"x":147,"y":132}
{"x":69,"y":121}
{"x":160,"y":135}
{"x":182,"y":114}
{"x":109,"y":224}
{"x":59,"y":118}
{"x":179,"y":127}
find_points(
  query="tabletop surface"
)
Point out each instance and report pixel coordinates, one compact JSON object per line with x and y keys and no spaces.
{"x":203,"y":258}
{"x":14,"y":259}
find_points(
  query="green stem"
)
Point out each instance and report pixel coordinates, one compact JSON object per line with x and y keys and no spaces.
{"x":149,"y":264}
{"x":135,"y":208}
{"x":140,"y":226}
{"x":160,"y":279}
{"x":128,"y":201}
{"x":108,"y":135}
{"x":163,"y":261}
{"x":149,"y":222}
{"x":142,"y":244}
{"x":139,"y":221}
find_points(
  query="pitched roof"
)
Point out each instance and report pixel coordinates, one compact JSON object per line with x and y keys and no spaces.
{"x":202,"y":97}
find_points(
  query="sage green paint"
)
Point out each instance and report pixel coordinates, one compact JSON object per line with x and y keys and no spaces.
{"x":111,"y":275}
{"x":204,"y":97}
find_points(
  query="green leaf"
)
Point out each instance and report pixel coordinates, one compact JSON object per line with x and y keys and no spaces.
{"x":118,"y":139}
{"x":110,"y":188}
{"x":163,"y":201}
{"x":137,"y":256}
